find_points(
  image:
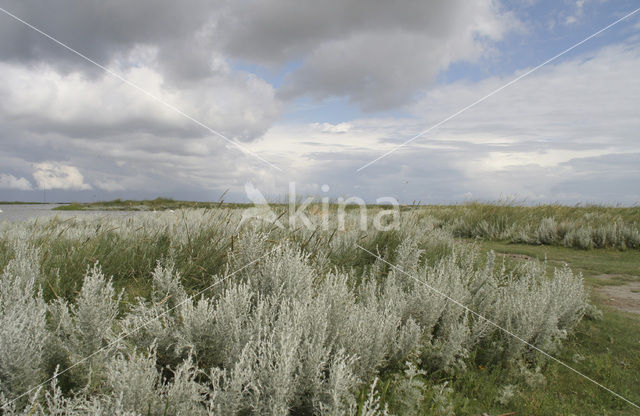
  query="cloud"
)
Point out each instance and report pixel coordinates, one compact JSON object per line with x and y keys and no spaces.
{"x":53,"y":106}
{"x":568,"y":125}
{"x":585,"y":102}
{"x":169,"y":49}
{"x":8,"y":181}
{"x":109,"y":30}
{"x":577,"y":12}
{"x":333,"y":128}
{"x":54,"y":175}
{"x":609,"y":177}
{"x":374,"y":53}
{"x":235,"y":65}
{"x":40,"y":98}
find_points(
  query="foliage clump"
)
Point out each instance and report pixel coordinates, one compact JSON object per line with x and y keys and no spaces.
{"x":583,"y":227}
{"x":279,"y":322}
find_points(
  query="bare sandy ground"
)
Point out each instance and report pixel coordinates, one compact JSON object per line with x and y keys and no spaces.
{"x":625,"y":297}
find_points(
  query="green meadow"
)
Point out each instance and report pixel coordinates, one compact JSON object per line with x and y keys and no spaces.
{"x":194,"y":309}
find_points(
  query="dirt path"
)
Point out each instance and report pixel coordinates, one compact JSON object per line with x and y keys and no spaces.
{"x":625,"y":297}
{"x":515,"y":256}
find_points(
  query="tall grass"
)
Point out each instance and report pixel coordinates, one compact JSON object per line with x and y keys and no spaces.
{"x":582,"y":227}
{"x":310,"y":327}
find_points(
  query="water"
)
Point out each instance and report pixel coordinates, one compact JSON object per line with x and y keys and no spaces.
{"x":24,"y":212}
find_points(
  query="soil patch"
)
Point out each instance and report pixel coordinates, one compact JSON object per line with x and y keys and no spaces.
{"x":625,"y":297}
{"x":612,"y":276}
{"x":515,"y":256}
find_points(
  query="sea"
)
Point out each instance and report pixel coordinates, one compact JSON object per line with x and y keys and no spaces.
{"x":22,"y":212}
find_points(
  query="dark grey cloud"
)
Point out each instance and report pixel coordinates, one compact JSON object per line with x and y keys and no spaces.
{"x":377,"y":71}
{"x":277,"y":31}
{"x":102,"y":30}
{"x":103,"y":168}
{"x":378,"y":54}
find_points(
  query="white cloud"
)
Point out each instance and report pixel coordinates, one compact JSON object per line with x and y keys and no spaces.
{"x":524,"y":141}
{"x":570,"y":19}
{"x":54,"y":175}
{"x":236,"y":104}
{"x":8,"y":181}
{"x":577,"y":13}
{"x":588,"y":102}
{"x":333,"y":128}
{"x":123,"y":140}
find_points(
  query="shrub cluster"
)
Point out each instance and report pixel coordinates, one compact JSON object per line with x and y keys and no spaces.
{"x":579,"y":227}
{"x":289,"y":322}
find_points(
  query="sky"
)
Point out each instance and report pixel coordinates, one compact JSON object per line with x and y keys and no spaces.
{"x":196,"y":98}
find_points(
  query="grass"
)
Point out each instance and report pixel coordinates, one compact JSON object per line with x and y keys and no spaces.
{"x":513,"y":213}
{"x":591,"y":263}
{"x":163,"y":204}
{"x":158,"y":204}
{"x":607,"y":350}
{"x":586,"y":227}
{"x":129,"y":258}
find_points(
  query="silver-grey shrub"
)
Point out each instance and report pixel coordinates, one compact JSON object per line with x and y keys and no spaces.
{"x":81,"y":330}
{"x":23,"y":334}
{"x":291,"y":333}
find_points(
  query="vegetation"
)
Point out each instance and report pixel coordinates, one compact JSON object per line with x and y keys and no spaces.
{"x":163,"y":204}
{"x":302,"y":321}
{"x":584,"y":227}
{"x":604,"y":347}
{"x":158,"y":204}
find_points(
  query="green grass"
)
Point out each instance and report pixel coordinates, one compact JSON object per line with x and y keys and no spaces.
{"x":161,"y":204}
{"x":588,"y":226}
{"x":590,"y":263}
{"x":521,"y":213}
{"x":130,"y":260}
{"x":158,"y":204}
{"x":607,"y":350}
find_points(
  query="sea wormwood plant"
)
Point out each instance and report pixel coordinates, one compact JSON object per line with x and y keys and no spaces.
{"x":287,"y":324}
{"x":23,"y":333}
